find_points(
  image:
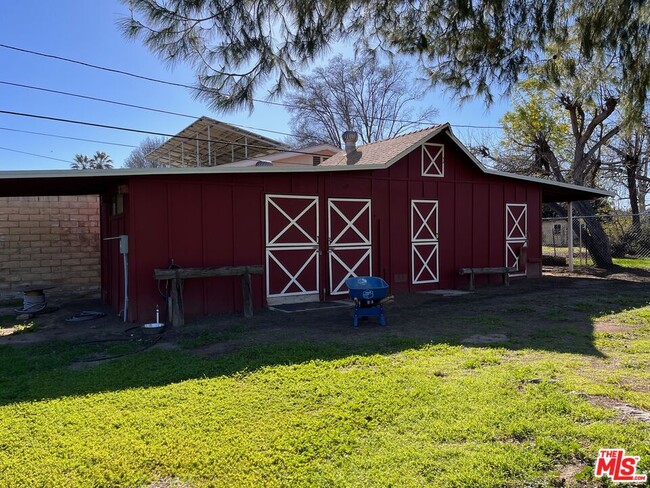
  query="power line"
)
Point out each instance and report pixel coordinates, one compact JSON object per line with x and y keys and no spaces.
{"x":96,"y":99}
{"x":95,"y":66}
{"x":141,"y":131}
{"x":130,"y":105}
{"x":33,"y":154}
{"x":67,"y":137}
{"x":200,"y":89}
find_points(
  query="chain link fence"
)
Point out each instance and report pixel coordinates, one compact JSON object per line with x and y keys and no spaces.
{"x":626,"y":236}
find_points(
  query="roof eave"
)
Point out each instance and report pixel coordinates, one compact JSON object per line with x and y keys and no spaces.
{"x":556,"y":191}
{"x":564,"y":191}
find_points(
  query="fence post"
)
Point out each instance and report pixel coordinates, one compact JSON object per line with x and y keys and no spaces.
{"x":570,"y":256}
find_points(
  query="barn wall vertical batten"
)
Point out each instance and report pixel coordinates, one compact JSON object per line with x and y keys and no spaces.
{"x":412,"y":210}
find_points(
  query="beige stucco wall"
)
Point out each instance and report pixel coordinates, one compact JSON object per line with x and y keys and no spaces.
{"x":50,"y":240}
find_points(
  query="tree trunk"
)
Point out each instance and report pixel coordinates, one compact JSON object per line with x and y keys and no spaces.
{"x":595,"y":239}
{"x":631,"y":169}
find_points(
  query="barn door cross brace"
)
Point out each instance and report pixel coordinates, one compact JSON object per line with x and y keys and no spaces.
{"x":516,"y":223}
{"x":293,"y":222}
{"x":433,"y":160}
{"x":349,"y":270}
{"x":425,"y":223}
{"x":350,"y":224}
{"x":425,"y":262}
{"x":293,"y":278}
{"x":512,"y":252}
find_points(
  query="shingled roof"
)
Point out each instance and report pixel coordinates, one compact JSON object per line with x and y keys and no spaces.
{"x":384,"y":152}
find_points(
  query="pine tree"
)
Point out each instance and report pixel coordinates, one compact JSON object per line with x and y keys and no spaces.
{"x":472,"y":47}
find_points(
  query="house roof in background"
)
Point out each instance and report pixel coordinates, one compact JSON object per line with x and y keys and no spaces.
{"x":214,"y":143}
{"x":326,"y":150}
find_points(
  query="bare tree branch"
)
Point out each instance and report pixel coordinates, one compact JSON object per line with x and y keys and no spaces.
{"x":375,"y":100}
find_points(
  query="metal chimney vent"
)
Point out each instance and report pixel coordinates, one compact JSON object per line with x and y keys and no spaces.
{"x":263,"y":162}
{"x":350,"y":138}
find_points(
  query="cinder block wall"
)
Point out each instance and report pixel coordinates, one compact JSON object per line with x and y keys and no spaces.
{"x":50,"y":240}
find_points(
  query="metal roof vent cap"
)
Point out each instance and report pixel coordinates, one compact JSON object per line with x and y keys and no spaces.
{"x":350,"y":138}
{"x":263,"y":162}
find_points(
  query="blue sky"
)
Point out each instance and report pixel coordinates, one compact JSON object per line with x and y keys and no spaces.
{"x":86,"y":30}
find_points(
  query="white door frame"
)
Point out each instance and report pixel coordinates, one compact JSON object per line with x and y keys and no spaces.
{"x":363,"y":243}
{"x":518,"y":234}
{"x":424,"y":236}
{"x":274,"y":247}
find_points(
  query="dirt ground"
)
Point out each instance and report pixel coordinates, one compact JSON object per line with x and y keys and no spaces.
{"x":554,"y":310}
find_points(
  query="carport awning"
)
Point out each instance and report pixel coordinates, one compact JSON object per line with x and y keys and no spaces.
{"x":552,"y":193}
{"x":555,"y":191}
{"x":58,"y":183}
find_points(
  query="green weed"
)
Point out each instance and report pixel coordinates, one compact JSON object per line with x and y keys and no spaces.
{"x":393,"y":412}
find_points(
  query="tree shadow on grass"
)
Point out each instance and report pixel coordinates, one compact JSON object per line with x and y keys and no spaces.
{"x":551,"y":314}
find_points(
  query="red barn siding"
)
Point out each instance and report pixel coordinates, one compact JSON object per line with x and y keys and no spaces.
{"x":149,"y":245}
{"x":218,"y":246}
{"x":248,"y":236}
{"x":112,"y":268}
{"x":481,"y":213}
{"x":219,"y":220}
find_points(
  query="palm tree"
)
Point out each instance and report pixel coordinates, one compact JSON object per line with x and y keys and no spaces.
{"x":81,"y":161}
{"x":101,"y":160}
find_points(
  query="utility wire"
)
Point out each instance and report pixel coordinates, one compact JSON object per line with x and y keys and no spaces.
{"x":67,"y":137}
{"x":95,"y":66}
{"x":96,"y":99}
{"x":131,"y":105}
{"x":33,"y":154}
{"x":140,"y":131}
{"x":200,"y":89}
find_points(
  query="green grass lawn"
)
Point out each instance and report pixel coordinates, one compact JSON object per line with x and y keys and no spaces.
{"x":409,"y":414}
{"x":585,"y":259}
{"x":642,"y":263}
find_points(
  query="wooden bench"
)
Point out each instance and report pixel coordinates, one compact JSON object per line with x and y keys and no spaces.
{"x":502,"y":270}
{"x":176,"y":276}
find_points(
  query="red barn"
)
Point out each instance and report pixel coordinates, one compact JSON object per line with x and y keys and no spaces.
{"x":413,"y":210}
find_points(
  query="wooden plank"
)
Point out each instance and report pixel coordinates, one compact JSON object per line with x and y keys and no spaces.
{"x":178,"y":317}
{"x":183,"y":273}
{"x":247,"y":292}
{"x":178,"y":275}
{"x":496,"y":270}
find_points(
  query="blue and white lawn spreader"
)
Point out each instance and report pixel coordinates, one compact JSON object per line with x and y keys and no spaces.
{"x":369,"y":294}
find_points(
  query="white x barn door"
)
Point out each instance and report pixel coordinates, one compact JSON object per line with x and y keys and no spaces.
{"x":424,"y":241}
{"x":349,"y":241}
{"x":516,"y":236}
{"x":292,"y":250}
{"x":433,"y":159}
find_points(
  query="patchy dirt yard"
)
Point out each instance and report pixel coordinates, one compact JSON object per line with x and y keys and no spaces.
{"x":555,"y":310}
